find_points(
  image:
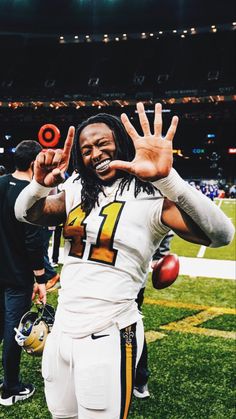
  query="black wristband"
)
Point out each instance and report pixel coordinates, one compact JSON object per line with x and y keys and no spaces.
{"x":40,"y":279}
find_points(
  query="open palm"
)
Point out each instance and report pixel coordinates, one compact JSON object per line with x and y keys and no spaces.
{"x":153,"y":153}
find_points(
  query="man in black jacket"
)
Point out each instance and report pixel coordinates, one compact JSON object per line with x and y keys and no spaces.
{"x":21,"y":264}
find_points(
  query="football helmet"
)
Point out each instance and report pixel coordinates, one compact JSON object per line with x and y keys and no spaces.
{"x":34,"y":328}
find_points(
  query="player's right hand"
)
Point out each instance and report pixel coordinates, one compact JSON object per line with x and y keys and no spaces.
{"x":50,"y":165}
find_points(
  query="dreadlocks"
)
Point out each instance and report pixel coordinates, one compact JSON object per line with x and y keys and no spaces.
{"x":91,"y":185}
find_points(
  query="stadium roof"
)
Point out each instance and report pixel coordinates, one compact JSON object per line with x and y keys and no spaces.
{"x":101,"y":16}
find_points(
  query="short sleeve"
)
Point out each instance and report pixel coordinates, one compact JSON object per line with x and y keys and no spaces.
{"x":156,"y":225}
{"x":72,"y":189}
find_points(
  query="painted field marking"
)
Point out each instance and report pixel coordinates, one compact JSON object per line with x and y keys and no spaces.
{"x":189,"y":324}
{"x":177,"y":304}
{"x":207,"y":268}
{"x":201,"y":252}
{"x":153,"y":335}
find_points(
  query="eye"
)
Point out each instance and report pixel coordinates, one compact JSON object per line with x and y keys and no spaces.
{"x":86,"y":153}
{"x":104,"y":143}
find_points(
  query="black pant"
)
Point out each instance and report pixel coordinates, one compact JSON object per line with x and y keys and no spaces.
{"x":49,"y":270}
{"x":164,"y":247}
{"x":142,"y":372}
{"x":56,"y":243}
{"x":14,"y":303}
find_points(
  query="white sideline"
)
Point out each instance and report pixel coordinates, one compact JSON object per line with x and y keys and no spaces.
{"x":208,"y":268}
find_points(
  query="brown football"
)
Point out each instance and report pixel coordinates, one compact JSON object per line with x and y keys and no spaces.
{"x":165,"y":271}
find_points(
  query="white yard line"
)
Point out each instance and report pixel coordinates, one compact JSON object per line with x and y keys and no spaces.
{"x":201,"y":252}
{"x":202,"y":249}
{"x":208,"y":268}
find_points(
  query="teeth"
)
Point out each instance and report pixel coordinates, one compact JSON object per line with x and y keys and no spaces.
{"x":103,"y":165}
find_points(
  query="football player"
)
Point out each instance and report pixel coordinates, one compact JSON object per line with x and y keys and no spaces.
{"x":116,"y":212}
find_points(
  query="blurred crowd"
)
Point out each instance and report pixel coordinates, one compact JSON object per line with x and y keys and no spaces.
{"x":214,"y":189}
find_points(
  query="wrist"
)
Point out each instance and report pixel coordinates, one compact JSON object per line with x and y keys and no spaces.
{"x":171,"y":186}
{"x":40,"y":279}
{"x":37,"y":190}
{"x":38,"y":272}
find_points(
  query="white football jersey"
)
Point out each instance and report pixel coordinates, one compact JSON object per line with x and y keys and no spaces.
{"x":107,"y":255}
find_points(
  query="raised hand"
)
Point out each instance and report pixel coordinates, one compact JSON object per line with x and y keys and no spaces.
{"x":50,"y":165}
{"x":154,"y":157}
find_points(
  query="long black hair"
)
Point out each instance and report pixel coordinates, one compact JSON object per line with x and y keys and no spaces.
{"x":91,"y":184}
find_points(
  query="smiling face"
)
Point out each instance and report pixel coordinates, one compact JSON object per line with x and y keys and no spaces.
{"x":98,"y":149}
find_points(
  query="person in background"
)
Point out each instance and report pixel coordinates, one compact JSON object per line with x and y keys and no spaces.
{"x":3,"y":170}
{"x":56,"y":245}
{"x":21,"y":271}
{"x":142,"y":372}
{"x":232,"y":191}
{"x":51,"y":275}
{"x":163,"y":249}
{"x":57,"y":235}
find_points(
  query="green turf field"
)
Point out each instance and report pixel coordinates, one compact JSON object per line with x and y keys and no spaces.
{"x":190,"y":328}
{"x":182,"y":248}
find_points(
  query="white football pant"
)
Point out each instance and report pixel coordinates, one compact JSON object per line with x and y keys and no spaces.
{"x":92,"y":377}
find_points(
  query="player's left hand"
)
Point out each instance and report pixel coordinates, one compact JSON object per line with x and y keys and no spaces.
{"x":154,"y":157}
